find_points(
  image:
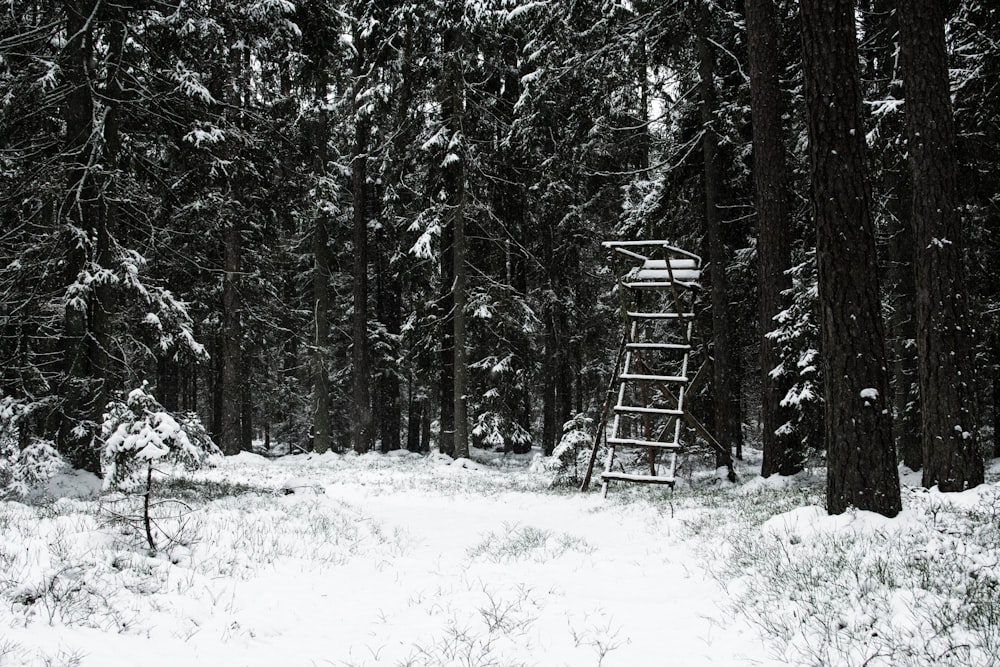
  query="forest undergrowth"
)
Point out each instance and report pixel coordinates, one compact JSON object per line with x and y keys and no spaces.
{"x":920,"y":589}
{"x":860,"y":589}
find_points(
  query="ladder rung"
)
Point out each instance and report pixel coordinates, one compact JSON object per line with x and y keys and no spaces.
{"x":658,"y":346}
{"x":632,"y":442}
{"x":644,"y":479}
{"x":648,"y":411}
{"x":659,"y":316}
{"x":660,"y":284}
{"x":653,"y":378}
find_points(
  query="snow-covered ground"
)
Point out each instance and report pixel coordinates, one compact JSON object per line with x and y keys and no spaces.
{"x":424,"y":561}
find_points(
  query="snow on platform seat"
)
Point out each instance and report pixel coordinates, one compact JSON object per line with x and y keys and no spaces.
{"x":654,"y":274}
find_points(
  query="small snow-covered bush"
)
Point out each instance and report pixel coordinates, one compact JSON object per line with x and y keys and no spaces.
{"x":23,"y":468}
{"x":139,"y":434}
{"x":496,"y":431}
{"x":570,"y":457}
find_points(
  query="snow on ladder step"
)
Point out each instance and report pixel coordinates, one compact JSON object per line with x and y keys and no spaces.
{"x":629,"y":477}
{"x":681,"y":347}
{"x":660,"y":284}
{"x":652,"y":378}
{"x":633,"y":442}
{"x":636,"y":409}
{"x":660,"y":316}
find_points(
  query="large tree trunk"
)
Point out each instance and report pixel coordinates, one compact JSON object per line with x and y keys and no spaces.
{"x":952,"y":459}
{"x":782,"y":449}
{"x":725,"y":378}
{"x":861,"y":456}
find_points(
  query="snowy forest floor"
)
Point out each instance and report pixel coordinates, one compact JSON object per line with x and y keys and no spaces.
{"x":408,"y":560}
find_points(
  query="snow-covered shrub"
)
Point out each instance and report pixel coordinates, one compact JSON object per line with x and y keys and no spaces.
{"x":27,"y":467}
{"x":570,"y":457}
{"x":496,"y":431}
{"x":140,"y":432}
{"x":860,"y":589}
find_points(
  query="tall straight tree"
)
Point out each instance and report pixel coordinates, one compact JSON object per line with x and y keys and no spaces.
{"x":725,"y":376}
{"x":782,"y":449}
{"x":951,"y":454}
{"x":321,"y":285}
{"x":81,"y":394}
{"x":361,"y":427}
{"x":229,"y":76}
{"x":861,"y":456}
{"x":453,"y":116}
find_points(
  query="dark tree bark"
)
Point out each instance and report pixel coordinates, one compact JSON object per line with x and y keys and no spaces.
{"x":388,"y":408}
{"x":214,"y":375}
{"x":321,"y":291}
{"x":550,"y":433}
{"x":446,"y":376}
{"x":782,"y":449}
{"x":232,"y":338}
{"x":861,"y":456}
{"x":413,"y":422}
{"x":996,"y":412}
{"x":246,"y":418}
{"x":81,"y":409}
{"x":231,"y":76}
{"x":167,"y":383}
{"x":361,"y":409}
{"x":725,"y":377}
{"x":453,"y":115}
{"x":949,"y":431}
{"x":893,"y":187}
{"x":902,"y":326}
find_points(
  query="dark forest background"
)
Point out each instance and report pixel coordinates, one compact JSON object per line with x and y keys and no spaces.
{"x":319,"y":222}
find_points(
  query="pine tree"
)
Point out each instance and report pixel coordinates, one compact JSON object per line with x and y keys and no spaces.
{"x":783,"y":452}
{"x":861,"y":457}
{"x":725,"y":376}
{"x":949,"y":430}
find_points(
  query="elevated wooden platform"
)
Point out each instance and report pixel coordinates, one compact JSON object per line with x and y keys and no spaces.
{"x":657,"y":284}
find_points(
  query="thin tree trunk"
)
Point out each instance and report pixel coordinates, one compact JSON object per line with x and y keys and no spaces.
{"x":414,"y":418}
{"x":861,"y":456}
{"x":246,"y":418}
{"x":232,"y":335}
{"x":361,"y":424}
{"x":234,"y":373}
{"x":446,"y":376}
{"x":782,"y":449}
{"x":725,"y":378}
{"x":453,"y":112}
{"x":80,"y":400}
{"x":996,"y":412}
{"x":950,"y":437}
{"x":214,"y":375}
{"x":321,"y":293}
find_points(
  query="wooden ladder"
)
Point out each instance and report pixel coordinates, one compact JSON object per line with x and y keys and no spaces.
{"x":646,"y":401}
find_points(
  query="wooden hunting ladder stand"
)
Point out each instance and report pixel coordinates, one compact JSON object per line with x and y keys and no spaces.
{"x":656,"y":285}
